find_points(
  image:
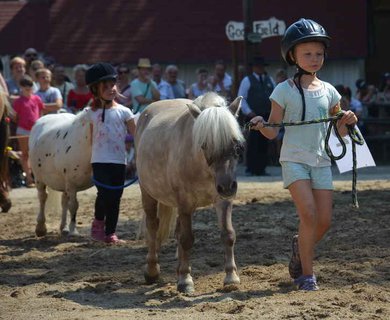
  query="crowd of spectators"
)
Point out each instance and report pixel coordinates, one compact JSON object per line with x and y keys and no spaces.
{"x":55,"y":91}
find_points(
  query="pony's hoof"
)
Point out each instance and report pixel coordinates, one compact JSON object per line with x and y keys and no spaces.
{"x":233,"y":280}
{"x":185,"y":287}
{"x":40,"y":231}
{"x":150,"y":279}
{"x":65,"y":232}
{"x":7,"y":204}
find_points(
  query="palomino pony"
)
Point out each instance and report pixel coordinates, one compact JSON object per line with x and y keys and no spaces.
{"x":187,"y":152}
{"x":60,"y":154}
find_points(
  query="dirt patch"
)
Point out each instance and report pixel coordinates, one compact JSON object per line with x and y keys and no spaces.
{"x":60,"y":278}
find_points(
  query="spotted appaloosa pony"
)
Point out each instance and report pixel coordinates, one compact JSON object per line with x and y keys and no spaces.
{"x":60,"y":154}
{"x":5,"y":202}
{"x":187,"y":152}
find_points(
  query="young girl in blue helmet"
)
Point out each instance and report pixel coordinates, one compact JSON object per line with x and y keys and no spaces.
{"x":110,"y":123}
{"x":306,"y":168}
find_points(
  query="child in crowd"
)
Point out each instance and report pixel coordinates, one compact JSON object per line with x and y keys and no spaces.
{"x":50,"y":96}
{"x":28,"y":108}
{"x":306,"y":168}
{"x":79,"y":97}
{"x":109,"y":122}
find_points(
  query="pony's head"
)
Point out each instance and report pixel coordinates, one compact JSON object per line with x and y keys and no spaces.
{"x":217,"y":134}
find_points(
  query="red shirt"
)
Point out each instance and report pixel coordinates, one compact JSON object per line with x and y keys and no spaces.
{"x":78,"y":100}
{"x":28,"y":110}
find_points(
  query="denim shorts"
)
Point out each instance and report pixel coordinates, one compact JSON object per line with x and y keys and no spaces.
{"x":321,"y":177}
{"x":22,"y":132}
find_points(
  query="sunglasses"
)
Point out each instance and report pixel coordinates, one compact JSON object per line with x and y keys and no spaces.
{"x":31,"y":55}
{"x":123,"y":72}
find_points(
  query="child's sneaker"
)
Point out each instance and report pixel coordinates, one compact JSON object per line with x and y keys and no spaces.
{"x":113,"y":239}
{"x":295,"y":267}
{"x":307,"y":283}
{"x":97,"y":230}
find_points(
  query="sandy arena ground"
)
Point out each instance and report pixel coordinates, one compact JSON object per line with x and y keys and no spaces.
{"x":60,"y":278}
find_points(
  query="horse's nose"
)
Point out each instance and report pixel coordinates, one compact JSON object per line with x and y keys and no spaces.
{"x":227,"y":191}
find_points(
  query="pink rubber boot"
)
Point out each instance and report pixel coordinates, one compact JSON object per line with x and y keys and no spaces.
{"x":97,"y":230}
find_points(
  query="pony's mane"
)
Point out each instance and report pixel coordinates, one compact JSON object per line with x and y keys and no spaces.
{"x":215,"y":129}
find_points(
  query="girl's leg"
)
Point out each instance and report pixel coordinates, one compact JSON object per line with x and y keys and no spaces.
{"x":303,"y":197}
{"x":108,"y":200}
{"x":323,"y":200}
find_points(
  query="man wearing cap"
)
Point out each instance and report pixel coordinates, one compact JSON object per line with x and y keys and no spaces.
{"x":256,"y":89}
{"x":143,"y":89}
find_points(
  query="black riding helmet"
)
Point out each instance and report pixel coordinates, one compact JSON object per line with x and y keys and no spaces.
{"x":99,"y":72}
{"x":304,"y":30}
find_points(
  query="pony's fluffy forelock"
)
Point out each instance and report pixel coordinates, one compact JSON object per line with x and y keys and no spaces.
{"x":215,"y":129}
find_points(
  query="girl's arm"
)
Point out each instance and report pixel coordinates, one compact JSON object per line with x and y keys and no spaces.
{"x":131,"y":126}
{"x":276,"y":116}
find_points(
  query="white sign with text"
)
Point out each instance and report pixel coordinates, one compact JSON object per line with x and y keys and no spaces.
{"x":363,"y":154}
{"x":265,"y":28}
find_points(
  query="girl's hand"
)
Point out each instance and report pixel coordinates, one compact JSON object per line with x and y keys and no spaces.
{"x":349,"y":118}
{"x":257,"y":123}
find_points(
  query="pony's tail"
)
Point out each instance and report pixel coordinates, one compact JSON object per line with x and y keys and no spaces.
{"x":167,"y":224}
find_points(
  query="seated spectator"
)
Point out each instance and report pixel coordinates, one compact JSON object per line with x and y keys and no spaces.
{"x":384,"y":89}
{"x":143,"y":89}
{"x":50,"y":96}
{"x":123,"y":85}
{"x":201,"y":86}
{"x":28,"y":108}
{"x":280,"y":76}
{"x":365,"y":93}
{"x":163,"y":87}
{"x":61,"y":81}
{"x":178,"y":86}
{"x":80,"y":96}
{"x":221,"y":81}
{"x":347,"y":102}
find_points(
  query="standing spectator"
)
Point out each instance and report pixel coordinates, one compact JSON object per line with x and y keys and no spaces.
{"x":62,"y":82}
{"x":35,"y":65}
{"x":3,"y":84}
{"x":123,"y":85}
{"x":178,"y":86}
{"x":143,"y":89}
{"x":30,"y":55}
{"x":109,"y":122}
{"x":18,"y":70}
{"x":201,"y":86}
{"x":221,"y":81}
{"x":50,"y":96}
{"x":28,"y":108}
{"x":256,"y":89}
{"x":163,"y":87}
{"x":79,"y":97}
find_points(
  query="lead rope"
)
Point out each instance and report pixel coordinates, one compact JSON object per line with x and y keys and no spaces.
{"x":355,"y":136}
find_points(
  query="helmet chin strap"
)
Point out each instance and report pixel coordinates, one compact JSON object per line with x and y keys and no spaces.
{"x":297,"y":81}
{"x":105,"y":102}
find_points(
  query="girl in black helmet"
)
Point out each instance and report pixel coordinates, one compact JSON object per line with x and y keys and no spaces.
{"x":110,"y":123}
{"x":306,"y":167}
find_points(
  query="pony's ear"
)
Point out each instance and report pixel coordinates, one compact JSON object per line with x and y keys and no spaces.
{"x":235,"y":106}
{"x":194,"y":110}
